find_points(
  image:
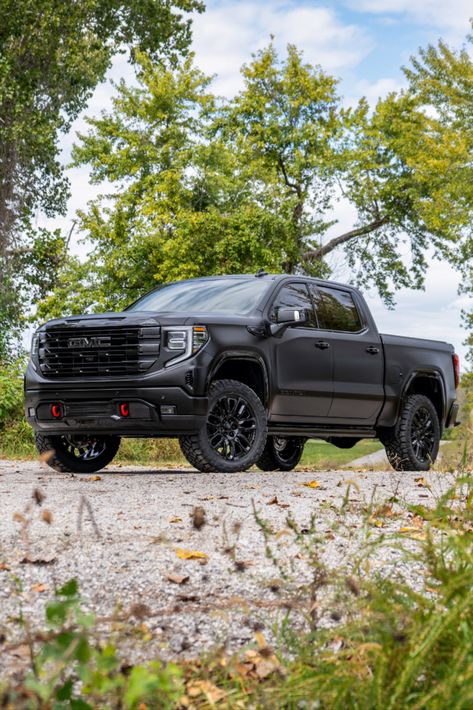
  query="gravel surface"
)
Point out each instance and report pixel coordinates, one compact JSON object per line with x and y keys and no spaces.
{"x":118,"y":533}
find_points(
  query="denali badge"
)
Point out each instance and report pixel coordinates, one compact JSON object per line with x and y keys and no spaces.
{"x":92,"y":342}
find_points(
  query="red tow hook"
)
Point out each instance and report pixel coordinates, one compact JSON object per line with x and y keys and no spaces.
{"x":56,"y":411}
{"x":124,"y":409}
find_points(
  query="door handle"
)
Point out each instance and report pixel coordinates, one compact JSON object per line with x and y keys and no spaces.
{"x":372,"y":350}
{"x":322,"y":345}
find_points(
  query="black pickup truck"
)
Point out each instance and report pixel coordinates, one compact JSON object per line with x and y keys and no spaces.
{"x":243,"y":370}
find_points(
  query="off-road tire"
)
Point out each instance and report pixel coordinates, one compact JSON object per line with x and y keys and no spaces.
{"x":418,"y":422}
{"x":197,"y":447}
{"x":275,"y":458}
{"x":61,"y":459}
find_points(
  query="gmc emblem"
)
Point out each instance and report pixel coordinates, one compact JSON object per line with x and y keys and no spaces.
{"x":95,"y":341}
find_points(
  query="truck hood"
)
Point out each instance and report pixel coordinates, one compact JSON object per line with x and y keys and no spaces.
{"x":144,"y":318}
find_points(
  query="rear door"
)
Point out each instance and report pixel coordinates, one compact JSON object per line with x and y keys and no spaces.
{"x":302,"y":362}
{"x":358,"y":365}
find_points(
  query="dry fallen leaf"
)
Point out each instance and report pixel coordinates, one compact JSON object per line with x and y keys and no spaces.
{"x":273,"y":501}
{"x":205,"y":687}
{"x":4,"y":567}
{"x":190,"y":554}
{"x":47,"y":517}
{"x":175,"y":519}
{"x":311,"y":484}
{"x":95,"y":478}
{"x":376,"y":522}
{"x":38,"y":496}
{"x":177,"y":578}
{"x":242,"y":565}
{"x":421,"y":482}
{"x":47,"y":456}
{"x":39,"y":588}
{"x":198,"y":517}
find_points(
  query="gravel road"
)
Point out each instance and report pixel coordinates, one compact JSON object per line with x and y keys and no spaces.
{"x":119,"y":533}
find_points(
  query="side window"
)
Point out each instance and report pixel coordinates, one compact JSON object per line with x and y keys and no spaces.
{"x":296,"y":296}
{"x":336,"y":309}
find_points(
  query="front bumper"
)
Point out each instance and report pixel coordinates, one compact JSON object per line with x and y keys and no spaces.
{"x":92,"y":411}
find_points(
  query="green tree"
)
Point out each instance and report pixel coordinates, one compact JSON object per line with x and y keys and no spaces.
{"x":52,"y":56}
{"x":442,"y":78}
{"x":183,"y":205}
{"x":209,"y":187}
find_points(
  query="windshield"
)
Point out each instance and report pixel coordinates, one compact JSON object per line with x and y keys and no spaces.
{"x":230,"y":296}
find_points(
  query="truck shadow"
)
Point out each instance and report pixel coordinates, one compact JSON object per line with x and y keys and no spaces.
{"x":147,"y":472}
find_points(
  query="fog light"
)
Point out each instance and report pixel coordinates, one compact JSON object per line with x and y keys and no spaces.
{"x":124,"y":409}
{"x":168,"y":409}
{"x":56,"y":411}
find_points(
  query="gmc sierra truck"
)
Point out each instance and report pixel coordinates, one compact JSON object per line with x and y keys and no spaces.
{"x":243,"y":370}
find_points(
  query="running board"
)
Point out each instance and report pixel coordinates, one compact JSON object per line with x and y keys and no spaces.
{"x":319,"y":431}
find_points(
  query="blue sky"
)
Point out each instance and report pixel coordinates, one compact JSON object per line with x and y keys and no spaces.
{"x":364,"y":43}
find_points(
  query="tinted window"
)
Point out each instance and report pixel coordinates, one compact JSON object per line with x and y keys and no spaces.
{"x":294,"y":296}
{"x":230,"y":296}
{"x":335,"y":309}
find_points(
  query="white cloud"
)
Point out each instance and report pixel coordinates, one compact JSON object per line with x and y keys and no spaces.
{"x":451,"y":17}
{"x":228,"y":32}
{"x":434,"y":313}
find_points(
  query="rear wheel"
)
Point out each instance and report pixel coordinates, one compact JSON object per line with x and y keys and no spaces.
{"x":77,"y":454}
{"x":281,"y":453}
{"x":413,"y":444}
{"x":235,"y":432}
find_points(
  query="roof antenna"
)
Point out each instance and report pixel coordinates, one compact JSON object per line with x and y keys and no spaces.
{"x":260,"y":273}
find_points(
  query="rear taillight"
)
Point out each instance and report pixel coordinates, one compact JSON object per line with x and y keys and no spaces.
{"x":456,"y":369}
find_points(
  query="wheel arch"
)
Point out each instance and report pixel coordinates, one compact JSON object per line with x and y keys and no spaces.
{"x":250,"y":369}
{"x":429,"y":383}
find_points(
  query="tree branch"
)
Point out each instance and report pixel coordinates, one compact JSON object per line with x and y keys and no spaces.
{"x":319,"y":253}
{"x":294,"y":186}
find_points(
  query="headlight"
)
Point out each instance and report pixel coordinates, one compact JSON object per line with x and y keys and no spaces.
{"x":34,"y":344}
{"x":177,"y":339}
{"x":187,"y":340}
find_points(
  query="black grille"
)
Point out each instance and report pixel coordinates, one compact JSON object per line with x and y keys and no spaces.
{"x":88,"y":352}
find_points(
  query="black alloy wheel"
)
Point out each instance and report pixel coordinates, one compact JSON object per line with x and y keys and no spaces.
{"x":79,"y":453}
{"x":231,"y":427}
{"x":235,"y":432}
{"x":281,"y":453}
{"x":422,"y":434}
{"x":413,"y":443}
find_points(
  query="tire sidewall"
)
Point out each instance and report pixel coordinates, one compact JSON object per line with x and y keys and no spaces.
{"x":271,"y":454}
{"x":422,"y":403}
{"x":62,"y":460}
{"x":228,"y":387}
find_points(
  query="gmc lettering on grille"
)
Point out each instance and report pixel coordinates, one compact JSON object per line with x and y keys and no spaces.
{"x":92,"y":342}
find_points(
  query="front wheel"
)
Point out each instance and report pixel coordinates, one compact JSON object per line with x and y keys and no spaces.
{"x":234,"y":435}
{"x":281,"y":453}
{"x":413,"y":443}
{"x":77,"y":454}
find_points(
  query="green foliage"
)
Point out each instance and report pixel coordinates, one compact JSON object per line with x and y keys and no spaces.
{"x":52,"y":55}
{"x":73,"y":671}
{"x":443,"y":78}
{"x":205,"y":186}
{"x":11,"y":392}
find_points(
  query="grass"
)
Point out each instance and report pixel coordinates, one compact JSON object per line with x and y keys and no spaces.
{"x":322,"y":455}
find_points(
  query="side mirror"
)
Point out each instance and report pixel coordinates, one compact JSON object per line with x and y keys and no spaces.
{"x":286,"y":317}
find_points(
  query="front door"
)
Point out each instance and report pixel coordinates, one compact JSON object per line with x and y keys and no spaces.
{"x":302,"y":363}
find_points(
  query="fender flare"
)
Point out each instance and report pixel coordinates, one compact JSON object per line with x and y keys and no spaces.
{"x":425,"y":372}
{"x":240,"y":356}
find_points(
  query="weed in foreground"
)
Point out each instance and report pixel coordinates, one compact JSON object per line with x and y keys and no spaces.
{"x":396,"y":645}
